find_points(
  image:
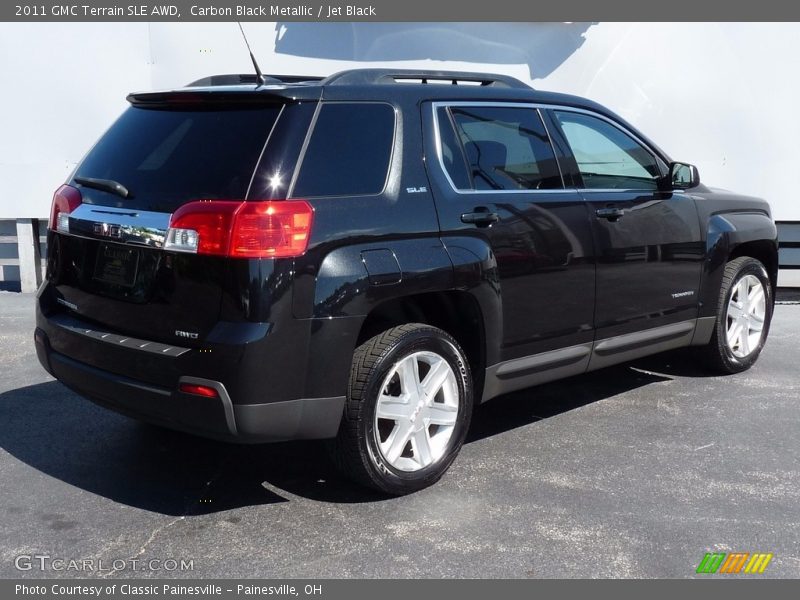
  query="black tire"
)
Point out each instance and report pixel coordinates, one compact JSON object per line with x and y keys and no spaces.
{"x":356,"y":450}
{"x":717,"y":354}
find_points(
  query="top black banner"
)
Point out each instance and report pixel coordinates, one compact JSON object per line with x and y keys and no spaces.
{"x":407,"y":10}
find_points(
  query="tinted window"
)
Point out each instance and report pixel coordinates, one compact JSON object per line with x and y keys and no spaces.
{"x":452,"y":152}
{"x":607,"y":157}
{"x":349,"y":151}
{"x":506,"y":148}
{"x":169,"y":157}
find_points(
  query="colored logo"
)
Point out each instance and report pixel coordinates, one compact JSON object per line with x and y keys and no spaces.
{"x":734,"y":562}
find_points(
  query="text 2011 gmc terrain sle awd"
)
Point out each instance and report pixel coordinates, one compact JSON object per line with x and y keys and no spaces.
{"x":363,"y":258}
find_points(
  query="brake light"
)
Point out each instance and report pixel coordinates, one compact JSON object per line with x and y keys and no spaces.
{"x":202,"y":227}
{"x":199,"y":390}
{"x":271,"y":229}
{"x":65,"y":200}
{"x":268,"y":229}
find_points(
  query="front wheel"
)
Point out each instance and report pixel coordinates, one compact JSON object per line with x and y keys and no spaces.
{"x":743,"y":317}
{"x":408,"y":409}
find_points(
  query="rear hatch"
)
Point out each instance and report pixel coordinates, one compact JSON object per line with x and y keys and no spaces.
{"x":107,"y":262}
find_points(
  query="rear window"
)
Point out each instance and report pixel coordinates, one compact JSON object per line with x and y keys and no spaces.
{"x":168,"y":157}
{"x":349,"y":151}
{"x":506,"y":148}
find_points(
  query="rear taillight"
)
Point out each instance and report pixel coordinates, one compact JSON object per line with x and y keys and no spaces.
{"x":202,"y":227}
{"x":65,"y":200}
{"x":269,"y":229}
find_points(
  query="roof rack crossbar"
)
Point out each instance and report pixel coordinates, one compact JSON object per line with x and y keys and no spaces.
{"x":373,"y":76}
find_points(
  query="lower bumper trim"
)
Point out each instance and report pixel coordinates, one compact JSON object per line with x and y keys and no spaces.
{"x":303,"y":419}
{"x":218,"y":418}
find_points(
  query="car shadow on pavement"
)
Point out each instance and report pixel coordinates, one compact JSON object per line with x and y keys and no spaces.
{"x":64,"y":436}
{"x":541,"y":402}
{"x":60,"y":434}
{"x":683,"y":362}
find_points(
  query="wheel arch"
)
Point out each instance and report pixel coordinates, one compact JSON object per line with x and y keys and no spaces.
{"x":448,"y":282}
{"x":731,"y":235}
{"x":765,"y":251}
{"x":458,"y":312}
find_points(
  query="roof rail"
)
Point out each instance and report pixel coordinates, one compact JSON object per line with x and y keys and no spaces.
{"x":373,"y":76}
{"x":252,"y":78}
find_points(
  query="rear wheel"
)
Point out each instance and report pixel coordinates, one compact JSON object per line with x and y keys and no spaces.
{"x":408,"y":409}
{"x":743,"y":317}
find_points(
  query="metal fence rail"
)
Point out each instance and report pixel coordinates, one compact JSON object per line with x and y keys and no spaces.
{"x":23,"y":253}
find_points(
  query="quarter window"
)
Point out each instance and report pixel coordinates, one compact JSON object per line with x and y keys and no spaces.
{"x":607,"y":157}
{"x":502,"y":148}
{"x":349,"y":151}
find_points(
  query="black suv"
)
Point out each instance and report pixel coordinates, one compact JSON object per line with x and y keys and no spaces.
{"x":366,"y":257}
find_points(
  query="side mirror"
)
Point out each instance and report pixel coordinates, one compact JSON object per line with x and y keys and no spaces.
{"x":683,"y":176}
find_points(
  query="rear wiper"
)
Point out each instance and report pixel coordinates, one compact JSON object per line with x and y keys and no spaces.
{"x":107,"y":185}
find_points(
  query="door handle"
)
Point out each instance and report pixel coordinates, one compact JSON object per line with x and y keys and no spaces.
{"x":481,"y":217}
{"x":610,"y":213}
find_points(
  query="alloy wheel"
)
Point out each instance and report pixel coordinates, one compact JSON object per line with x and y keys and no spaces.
{"x":417,"y":410}
{"x":747,"y":309}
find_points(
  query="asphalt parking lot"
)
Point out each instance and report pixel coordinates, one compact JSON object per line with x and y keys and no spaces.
{"x":634,"y":471}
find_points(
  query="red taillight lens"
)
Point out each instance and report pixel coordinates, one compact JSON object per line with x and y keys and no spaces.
{"x":202,"y":227}
{"x":65,"y":200}
{"x":199,"y":390}
{"x":269,"y":229}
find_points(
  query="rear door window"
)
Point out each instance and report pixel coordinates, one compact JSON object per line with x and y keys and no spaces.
{"x":349,"y":151}
{"x":505,"y":148}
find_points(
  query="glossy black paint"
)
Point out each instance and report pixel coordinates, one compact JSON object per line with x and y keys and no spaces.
{"x":649,"y":260}
{"x":154,"y":307}
{"x":285,"y":144}
{"x":542,"y":262}
{"x":548,"y":274}
{"x":735,"y":225}
{"x":649,"y":248}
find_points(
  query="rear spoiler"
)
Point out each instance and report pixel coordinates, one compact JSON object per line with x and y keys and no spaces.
{"x":219,"y":96}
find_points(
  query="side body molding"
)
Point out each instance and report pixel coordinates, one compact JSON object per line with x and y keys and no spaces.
{"x":524,"y":372}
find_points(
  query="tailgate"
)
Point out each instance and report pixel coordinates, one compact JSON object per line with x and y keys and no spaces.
{"x":107,"y":260}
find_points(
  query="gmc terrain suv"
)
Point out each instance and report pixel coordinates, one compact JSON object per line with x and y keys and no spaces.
{"x":367,"y":256}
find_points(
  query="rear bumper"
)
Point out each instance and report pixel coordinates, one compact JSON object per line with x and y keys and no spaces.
{"x":220,"y":417}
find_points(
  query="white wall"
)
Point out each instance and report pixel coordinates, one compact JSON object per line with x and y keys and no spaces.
{"x":62,"y":85}
{"x":718,"y":95}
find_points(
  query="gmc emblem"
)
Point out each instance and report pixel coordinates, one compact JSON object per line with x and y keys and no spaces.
{"x":106,"y":230}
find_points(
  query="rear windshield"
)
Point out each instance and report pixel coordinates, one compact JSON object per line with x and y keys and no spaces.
{"x":167,"y":157}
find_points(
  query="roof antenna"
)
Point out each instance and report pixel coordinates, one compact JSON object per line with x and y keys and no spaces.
{"x":261,"y":79}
